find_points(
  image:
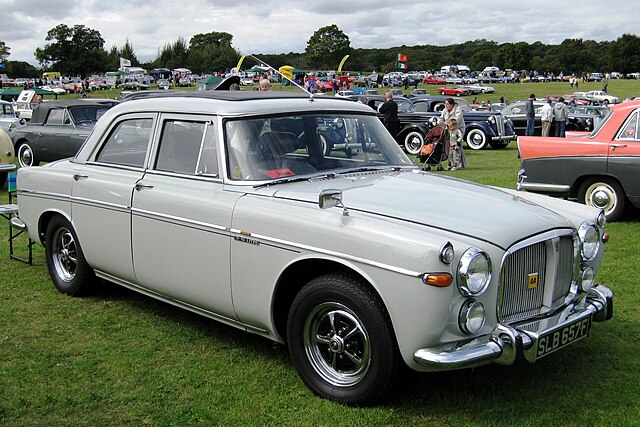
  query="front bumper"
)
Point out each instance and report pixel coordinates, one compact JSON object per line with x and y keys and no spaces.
{"x":503,"y":137}
{"x":507,"y":341}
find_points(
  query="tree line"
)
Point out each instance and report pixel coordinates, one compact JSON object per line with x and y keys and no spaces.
{"x":80,"y":51}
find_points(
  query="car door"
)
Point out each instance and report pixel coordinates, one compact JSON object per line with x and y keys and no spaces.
{"x":102,"y":192}
{"x":181,"y":218}
{"x":55,"y":139}
{"x":624,"y":156}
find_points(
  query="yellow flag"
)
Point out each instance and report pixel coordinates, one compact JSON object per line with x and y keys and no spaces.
{"x":240,"y":62}
{"x":342,"y":63}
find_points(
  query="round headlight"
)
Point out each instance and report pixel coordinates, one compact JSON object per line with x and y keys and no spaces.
{"x":472,"y":317}
{"x":474,"y":272}
{"x":492,"y":120}
{"x":587,"y":277}
{"x":589,"y":240}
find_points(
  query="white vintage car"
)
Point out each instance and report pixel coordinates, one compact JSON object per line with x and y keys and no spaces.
{"x":301,"y":220}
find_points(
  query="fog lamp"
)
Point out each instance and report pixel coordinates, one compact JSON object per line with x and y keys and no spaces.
{"x":587,"y":277}
{"x":472,"y":317}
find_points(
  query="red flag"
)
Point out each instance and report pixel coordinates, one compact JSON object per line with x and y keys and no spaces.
{"x":402,"y":57}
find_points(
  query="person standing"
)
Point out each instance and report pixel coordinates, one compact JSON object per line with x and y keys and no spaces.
{"x":560,"y":117}
{"x":390,"y":112}
{"x":455,"y":146}
{"x":547,"y":117}
{"x":450,"y":111}
{"x":531,"y":115}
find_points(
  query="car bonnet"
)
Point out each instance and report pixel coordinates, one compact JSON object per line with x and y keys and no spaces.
{"x":442,"y":202}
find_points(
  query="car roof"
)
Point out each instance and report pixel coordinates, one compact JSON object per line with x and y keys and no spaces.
{"x":41,"y":110}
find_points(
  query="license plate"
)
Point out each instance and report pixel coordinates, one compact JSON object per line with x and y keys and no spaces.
{"x":562,"y":337}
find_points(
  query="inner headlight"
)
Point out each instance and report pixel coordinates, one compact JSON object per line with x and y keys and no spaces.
{"x":474,"y":272}
{"x":589,"y":240}
{"x":472,"y":317}
{"x":492,"y":120}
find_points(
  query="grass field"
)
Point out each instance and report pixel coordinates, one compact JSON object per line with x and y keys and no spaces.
{"x":121,"y":359}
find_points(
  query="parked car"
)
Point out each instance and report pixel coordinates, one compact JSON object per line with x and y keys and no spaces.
{"x":418,"y":115}
{"x":163,"y":84}
{"x":56,"y":130}
{"x":597,"y":97}
{"x":434,"y":80}
{"x":392,"y":270}
{"x":8,"y":117}
{"x":418,"y":93}
{"x":599,"y":169}
{"x":455,"y":91}
{"x":516,"y":113}
{"x":480,"y":88}
{"x":7,"y":156}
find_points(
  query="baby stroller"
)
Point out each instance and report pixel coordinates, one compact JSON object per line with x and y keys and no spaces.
{"x":435,"y":148}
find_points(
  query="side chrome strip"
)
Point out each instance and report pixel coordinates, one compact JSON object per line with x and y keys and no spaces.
{"x":551,"y":188}
{"x":281,"y":242}
{"x":179,"y":220}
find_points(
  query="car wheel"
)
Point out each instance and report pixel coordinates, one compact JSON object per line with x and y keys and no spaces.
{"x":68,"y":268}
{"x":458,"y":94}
{"x":413,"y":142}
{"x":324,"y":145}
{"x":605,"y":194}
{"x":606,"y":102}
{"x":441,"y":92}
{"x":476,"y":139}
{"x":26,"y":156}
{"x":341,"y":340}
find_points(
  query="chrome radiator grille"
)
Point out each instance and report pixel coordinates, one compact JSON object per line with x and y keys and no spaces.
{"x":500,"y":124}
{"x":536,"y":277}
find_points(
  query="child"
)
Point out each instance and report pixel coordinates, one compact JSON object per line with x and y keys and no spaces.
{"x":455,"y":145}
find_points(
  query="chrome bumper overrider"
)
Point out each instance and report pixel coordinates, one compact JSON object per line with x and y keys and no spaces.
{"x":506,"y":342}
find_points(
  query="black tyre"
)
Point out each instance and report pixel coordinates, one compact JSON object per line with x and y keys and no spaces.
{"x":26,"y":155}
{"x":413,"y":142}
{"x":3,"y":179}
{"x":603,"y":193}
{"x":69,"y":270}
{"x":476,"y":139}
{"x":341,"y":340}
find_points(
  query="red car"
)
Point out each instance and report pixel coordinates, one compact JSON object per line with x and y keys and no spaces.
{"x":599,"y":168}
{"x":433,"y":80}
{"x":455,"y":91}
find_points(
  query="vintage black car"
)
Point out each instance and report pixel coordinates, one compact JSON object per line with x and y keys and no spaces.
{"x":57,"y":130}
{"x":579,"y":120}
{"x":418,"y":115}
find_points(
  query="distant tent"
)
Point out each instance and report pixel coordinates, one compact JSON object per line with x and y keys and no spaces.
{"x":208,"y":83}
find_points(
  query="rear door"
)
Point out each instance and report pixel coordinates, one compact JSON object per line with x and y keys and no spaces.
{"x":624,"y":156}
{"x":181,"y":217}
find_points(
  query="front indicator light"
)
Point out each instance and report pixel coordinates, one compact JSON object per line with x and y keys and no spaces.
{"x":472,"y":317}
{"x":441,"y":280}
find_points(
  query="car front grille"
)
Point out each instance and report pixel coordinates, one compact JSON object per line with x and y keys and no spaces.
{"x":537,"y":277}
{"x":500,"y":124}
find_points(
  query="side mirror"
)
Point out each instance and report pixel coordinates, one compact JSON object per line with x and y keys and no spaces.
{"x":332,"y":198}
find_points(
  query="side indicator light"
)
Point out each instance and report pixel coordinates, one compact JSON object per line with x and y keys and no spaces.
{"x":437,"y":279}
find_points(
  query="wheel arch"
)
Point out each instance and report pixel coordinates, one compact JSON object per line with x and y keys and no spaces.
{"x":297,"y":275}
{"x":45,"y":219}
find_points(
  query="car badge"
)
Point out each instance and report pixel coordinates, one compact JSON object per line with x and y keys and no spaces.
{"x":532,"y":280}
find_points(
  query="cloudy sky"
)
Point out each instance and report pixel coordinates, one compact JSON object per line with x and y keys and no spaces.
{"x":282,"y":26}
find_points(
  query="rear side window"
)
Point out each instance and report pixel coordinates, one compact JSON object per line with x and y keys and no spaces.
{"x":629,"y":129}
{"x":127,"y":144}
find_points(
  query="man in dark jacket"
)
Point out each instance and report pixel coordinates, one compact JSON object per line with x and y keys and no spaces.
{"x":390,"y":111}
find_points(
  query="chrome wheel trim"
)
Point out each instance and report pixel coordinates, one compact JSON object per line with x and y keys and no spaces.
{"x":602,"y":196}
{"x":476,"y":139}
{"x":64,"y":254}
{"x":337,"y":345}
{"x":25,"y":155}
{"x":413,"y":142}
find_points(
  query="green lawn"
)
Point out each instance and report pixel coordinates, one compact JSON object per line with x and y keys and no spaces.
{"x":121,"y":359}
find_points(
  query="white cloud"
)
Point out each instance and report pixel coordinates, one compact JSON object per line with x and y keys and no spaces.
{"x":282,"y":26}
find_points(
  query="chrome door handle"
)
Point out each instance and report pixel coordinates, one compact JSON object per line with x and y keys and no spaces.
{"x":614,"y":146}
{"x":79,"y":177}
{"x":139,"y":187}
